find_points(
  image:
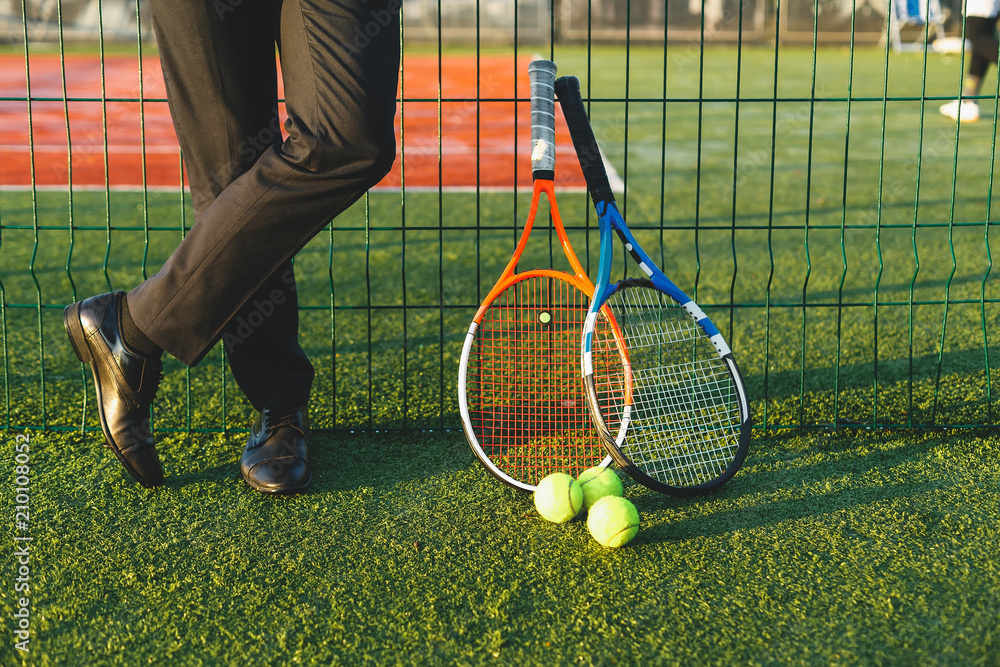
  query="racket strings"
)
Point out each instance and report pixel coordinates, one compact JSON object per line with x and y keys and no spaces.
{"x":525,"y":394}
{"x":685,"y":419}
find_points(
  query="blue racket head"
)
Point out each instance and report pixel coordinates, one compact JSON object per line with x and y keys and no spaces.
{"x":676,"y":412}
{"x":677,"y":416}
{"x":689,"y":417}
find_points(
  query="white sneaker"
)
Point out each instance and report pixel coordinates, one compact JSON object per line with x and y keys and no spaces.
{"x":965,"y":111}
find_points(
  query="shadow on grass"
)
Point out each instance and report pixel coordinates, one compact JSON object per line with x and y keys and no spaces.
{"x":340,"y":462}
{"x":855,"y":470}
{"x":775,"y":512}
{"x":785,"y":384}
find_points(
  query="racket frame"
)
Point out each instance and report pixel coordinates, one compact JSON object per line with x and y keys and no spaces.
{"x":543,"y":183}
{"x":610,"y":220}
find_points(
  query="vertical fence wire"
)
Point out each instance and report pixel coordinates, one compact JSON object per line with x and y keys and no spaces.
{"x":440,"y":217}
{"x":804,"y":339}
{"x":989,"y":255}
{"x":878,"y":232}
{"x":661,"y":213}
{"x":183,"y":228}
{"x":628,"y":90}
{"x":770,"y":205}
{"x":913,"y":233}
{"x":333,"y":323}
{"x":370,"y":374}
{"x":700,"y":159}
{"x":731,"y":333}
{"x":404,"y":301}
{"x":837,"y":419}
{"x":31,"y":139}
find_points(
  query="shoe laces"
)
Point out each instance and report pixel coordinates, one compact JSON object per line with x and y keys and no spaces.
{"x":277,"y":418}
{"x":147,"y":392}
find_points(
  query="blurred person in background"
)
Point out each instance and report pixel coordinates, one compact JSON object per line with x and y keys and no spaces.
{"x":981,"y":31}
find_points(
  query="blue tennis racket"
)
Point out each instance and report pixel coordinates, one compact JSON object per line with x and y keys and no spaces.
{"x":678,"y":419}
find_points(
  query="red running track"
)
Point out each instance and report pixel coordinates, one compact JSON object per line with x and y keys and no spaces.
{"x":131,"y":145}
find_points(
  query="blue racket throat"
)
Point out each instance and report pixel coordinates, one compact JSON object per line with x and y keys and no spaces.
{"x":604,"y":285}
{"x":610,"y":218}
{"x":603,"y":290}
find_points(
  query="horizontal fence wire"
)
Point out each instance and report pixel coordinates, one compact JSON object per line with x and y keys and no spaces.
{"x":789,"y":165}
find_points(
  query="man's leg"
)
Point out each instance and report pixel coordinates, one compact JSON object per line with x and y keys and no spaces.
{"x":222,"y":84}
{"x":340,"y":62}
{"x":980,"y":31}
{"x":263,"y":348}
{"x":231,"y":276}
{"x":220,"y":72}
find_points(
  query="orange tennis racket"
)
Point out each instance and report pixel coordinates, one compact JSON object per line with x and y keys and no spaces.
{"x":520,"y":391}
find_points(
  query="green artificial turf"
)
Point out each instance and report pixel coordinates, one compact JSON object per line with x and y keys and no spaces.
{"x":853,"y":280}
{"x":848,"y":548}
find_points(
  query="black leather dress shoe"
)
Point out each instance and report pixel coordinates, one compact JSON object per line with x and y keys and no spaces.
{"x":126,"y":383}
{"x":275,"y":459}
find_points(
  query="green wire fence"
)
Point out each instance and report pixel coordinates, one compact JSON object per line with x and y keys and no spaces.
{"x":789,"y":162}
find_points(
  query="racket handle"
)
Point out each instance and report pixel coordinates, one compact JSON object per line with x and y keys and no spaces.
{"x":587,"y":150}
{"x":542,"y":74}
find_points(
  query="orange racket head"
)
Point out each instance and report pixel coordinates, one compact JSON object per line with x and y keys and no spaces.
{"x":521,"y":392}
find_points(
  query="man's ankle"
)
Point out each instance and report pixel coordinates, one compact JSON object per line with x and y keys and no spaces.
{"x":134,"y":337}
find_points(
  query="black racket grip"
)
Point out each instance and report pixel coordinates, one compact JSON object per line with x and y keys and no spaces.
{"x":587,"y":150}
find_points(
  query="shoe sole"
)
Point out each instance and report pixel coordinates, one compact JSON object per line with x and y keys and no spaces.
{"x":960,"y":119}
{"x":278,"y":492}
{"x":74,"y":330}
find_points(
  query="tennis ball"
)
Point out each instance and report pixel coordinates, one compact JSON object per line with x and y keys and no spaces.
{"x":613,"y":521}
{"x":598,"y":482}
{"x":558,"y":497}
